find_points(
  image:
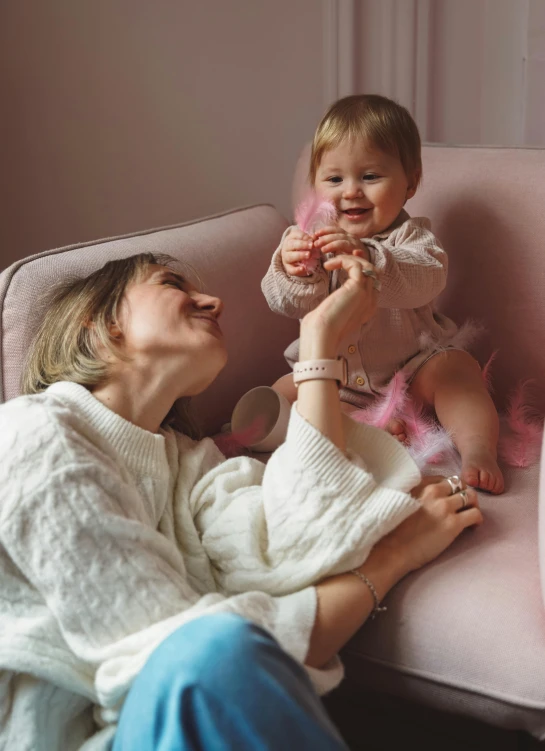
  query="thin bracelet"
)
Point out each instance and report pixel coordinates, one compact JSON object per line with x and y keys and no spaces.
{"x":365,"y":580}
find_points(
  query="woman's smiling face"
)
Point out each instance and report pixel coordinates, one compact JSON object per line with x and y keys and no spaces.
{"x":164,"y":321}
{"x":368,"y":187}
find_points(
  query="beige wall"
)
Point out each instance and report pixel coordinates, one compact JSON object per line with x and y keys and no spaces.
{"x":118,"y":115}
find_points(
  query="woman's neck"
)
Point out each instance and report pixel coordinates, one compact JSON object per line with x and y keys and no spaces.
{"x":143,"y":401}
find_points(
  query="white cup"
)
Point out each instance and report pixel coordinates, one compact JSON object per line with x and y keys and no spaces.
{"x":260,"y":419}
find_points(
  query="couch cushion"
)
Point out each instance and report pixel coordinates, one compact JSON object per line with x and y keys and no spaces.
{"x":231,"y":253}
{"x":466,"y":634}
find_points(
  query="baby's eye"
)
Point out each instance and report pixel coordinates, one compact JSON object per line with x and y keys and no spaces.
{"x":335,"y":179}
{"x":370,"y":176}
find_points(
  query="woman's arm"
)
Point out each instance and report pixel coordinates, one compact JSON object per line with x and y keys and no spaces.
{"x":345,"y":602}
{"x":349,"y":307}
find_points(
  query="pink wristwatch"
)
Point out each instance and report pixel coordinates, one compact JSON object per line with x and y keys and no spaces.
{"x":318,"y":370}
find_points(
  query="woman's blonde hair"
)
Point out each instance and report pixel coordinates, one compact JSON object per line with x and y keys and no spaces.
{"x":76,"y":328}
{"x":379,"y":121}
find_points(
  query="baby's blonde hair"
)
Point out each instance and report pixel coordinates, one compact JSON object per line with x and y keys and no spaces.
{"x":76,"y":328}
{"x":379,"y":121}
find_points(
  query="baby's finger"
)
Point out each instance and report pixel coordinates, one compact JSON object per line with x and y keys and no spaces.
{"x":296,"y":256}
{"x":335,"y":246}
{"x":296,"y":269}
{"x":297,"y":244}
{"x":330,"y":229}
{"x":298,"y":234}
{"x":329,"y":237}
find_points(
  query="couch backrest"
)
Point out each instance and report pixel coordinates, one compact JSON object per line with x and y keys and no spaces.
{"x":231,"y":253}
{"x":487,"y":206}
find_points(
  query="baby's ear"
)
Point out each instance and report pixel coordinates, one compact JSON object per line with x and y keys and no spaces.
{"x":413,"y":183}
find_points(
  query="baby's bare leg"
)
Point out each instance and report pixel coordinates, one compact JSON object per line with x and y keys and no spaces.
{"x":452,"y":384}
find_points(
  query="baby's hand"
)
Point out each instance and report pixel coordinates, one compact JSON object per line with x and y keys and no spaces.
{"x":333,"y":239}
{"x":296,"y":250}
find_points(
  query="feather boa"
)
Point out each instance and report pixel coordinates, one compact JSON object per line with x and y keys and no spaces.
{"x":313,"y":212}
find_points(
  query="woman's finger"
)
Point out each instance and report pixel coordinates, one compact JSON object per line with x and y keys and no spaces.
{"x":348,"y":261}
{"x":473,"y":516}
{"x":463,"y":500}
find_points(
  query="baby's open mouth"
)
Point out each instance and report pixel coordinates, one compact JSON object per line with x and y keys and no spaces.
{"x":355,"y":212}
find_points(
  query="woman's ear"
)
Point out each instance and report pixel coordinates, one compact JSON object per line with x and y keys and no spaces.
{"x":413,"y":184}
{"x":115,"y":331}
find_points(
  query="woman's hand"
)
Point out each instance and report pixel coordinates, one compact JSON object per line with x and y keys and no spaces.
{"x":346,"y":309}
{"x":344,"y":603}
{"x":333,"y":239}
{"x":431,"y":529}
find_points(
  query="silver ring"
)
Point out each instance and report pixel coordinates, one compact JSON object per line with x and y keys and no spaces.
{"x":455,"y":484}
{"x":463,"y":496}
{"x":377,"y":284}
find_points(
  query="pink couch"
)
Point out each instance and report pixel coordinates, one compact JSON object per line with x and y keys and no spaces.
{"x":467,"y":633}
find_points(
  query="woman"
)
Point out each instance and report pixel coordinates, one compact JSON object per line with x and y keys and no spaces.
{"x":131,"y":554}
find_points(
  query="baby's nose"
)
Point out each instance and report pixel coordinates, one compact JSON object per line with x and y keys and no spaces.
{"x":352,"y":189}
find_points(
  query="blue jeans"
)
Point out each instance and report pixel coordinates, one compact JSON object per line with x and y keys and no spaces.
{"x":221,"y":683}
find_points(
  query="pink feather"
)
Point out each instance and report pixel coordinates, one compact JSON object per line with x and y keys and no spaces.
{"x":522,"y":446}
{"x":236,"y":444}
{"x":385,"y":409}
{"x":314,"y":212}
{"x":486,"y":371}
{"x":428,"y":442}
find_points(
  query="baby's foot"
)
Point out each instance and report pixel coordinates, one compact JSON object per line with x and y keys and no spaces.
{"x":480,"y":470}
{"x":398,"y":429}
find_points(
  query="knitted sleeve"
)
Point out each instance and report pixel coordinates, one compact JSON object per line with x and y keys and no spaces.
{"x":105,"y":582}
{"x":312,"y":512}
{"x":293,"y":296}
{"x":412,"y":264}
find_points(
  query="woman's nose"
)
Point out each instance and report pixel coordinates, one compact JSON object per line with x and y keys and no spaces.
{"x":208,"y":302}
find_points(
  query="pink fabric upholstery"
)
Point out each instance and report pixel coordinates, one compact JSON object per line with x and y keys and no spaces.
{"x":231,"y":253}
{"x":467,"y":633}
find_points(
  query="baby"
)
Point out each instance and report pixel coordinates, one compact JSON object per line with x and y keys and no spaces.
{"x":366,"y":160}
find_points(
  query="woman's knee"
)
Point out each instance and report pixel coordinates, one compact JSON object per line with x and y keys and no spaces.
{"x":209,"y":648}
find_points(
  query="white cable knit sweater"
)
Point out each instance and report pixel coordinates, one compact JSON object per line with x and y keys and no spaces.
{"x":112,"y":537}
